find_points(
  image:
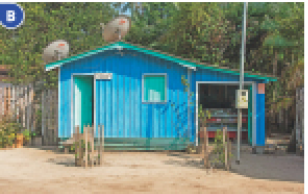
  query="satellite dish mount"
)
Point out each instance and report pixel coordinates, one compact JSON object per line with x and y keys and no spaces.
{"x":119,"y":33}
{"x":58,"y":54}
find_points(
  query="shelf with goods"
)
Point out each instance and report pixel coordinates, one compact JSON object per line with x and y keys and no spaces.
{"x":225,"y":118}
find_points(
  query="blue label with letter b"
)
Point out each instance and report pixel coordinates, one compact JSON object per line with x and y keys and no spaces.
{"x":11,"y":15}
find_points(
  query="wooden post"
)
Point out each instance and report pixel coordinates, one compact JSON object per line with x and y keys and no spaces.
{"x":92,"y":143}
{"x":4,"y":100}
{"x":43,"y":119}
{"x":229,"y":154}
{"x":27,"y":107}
{"x":46,"y":115}
{"x":9,"y":100}
{"x":99,"y":143}
{"x":52,"y":119}
{"x":225,"y":147}
{"x":297,"y":128}
{"x":49,"y":115}
{"x":18,"y":103}
{"x":1,"y":99}
{"x":205,"y":147}
{"x":102,"y":144}
{"x":85,"y":132}
{"x":31,"y":111}
{"x":13,"y":99}
{"x":76,"y":145}
{"x":56,"y":116}
{"x":302,"y":118}
{"x":23,"y":107}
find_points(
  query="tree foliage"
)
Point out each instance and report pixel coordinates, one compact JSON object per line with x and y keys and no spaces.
{"x":77,"y":23}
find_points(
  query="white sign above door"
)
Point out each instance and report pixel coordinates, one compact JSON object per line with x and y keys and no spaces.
{"x":103,"y":76}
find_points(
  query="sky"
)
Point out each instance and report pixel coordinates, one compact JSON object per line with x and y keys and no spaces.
{"x":127,"y":12}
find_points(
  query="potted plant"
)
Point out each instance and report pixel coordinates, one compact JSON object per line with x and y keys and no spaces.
{"x":19,"y":140}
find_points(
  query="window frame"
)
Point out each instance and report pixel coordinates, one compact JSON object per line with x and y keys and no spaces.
{"x":166,"y":88}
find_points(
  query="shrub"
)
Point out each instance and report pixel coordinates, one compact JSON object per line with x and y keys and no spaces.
{"x":9,"y":127}
{"x":27,"y":135}
{"x":219,"y":149}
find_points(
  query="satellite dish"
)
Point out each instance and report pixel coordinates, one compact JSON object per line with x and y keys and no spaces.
{"x":116,"y":28}
{"x":56,"y":50}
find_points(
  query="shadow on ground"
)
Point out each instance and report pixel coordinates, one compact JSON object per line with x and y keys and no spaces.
{"x":60,"y":158}
{"x":185,"y":160}
{"x":65,"y":161}
{"x":46,"y":148}
{"x":286,"y":167}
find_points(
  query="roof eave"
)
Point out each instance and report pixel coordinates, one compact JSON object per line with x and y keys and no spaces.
{"x":182,"y":62}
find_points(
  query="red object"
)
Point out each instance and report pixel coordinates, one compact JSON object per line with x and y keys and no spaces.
{"x":231,"y":134}
{"x":122,"y":22}
{"x":212,"y":119}
{"x":61,"y":44}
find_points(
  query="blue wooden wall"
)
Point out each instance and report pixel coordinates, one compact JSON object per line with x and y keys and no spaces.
{"x":119,"y":100}
{"x":260,"y":118}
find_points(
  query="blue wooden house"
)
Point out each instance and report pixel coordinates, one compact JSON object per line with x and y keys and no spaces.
{"x":139,"y":96}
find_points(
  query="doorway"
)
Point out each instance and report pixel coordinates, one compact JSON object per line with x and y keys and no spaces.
{"x":83,"y":100}
{"x":219,"y":99}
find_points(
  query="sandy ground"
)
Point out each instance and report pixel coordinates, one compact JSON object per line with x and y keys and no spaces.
{"x":30,"y":170}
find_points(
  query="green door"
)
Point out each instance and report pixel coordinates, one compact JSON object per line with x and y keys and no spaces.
{"x":83,"y":101}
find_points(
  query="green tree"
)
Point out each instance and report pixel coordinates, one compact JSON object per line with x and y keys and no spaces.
{"x":78,"y":23}
{"x":199,"y":31}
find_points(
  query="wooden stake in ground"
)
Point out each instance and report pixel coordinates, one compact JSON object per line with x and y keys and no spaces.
{"x":85,"y":132}
{"x":77,"y":146}
{"x":229,"y":154}
{"x":99,"y":143}
{"x":102,"y":144}
{"x":92,"y":143}
{"x":225,"y":146}
{"x":205,"y":148}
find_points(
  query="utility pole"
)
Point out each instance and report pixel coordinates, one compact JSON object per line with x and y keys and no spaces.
{"x":239,"y":111}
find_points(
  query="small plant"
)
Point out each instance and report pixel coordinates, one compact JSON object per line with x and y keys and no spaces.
{"x":203,"y":116}
{"x":27,"y":135}
{"x":72,"y":148}
{"x":33,"y":134}
{"x":8,"y":129}
{"x":83,"y":146}
{"x":219,"y":148}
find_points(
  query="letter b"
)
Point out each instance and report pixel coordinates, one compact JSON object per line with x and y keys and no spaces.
{"x":10,"y":15}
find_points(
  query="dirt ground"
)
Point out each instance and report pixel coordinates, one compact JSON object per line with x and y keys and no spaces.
{"x":32,"y":170}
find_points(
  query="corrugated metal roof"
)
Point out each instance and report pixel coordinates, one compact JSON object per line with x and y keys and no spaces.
{"x":181,"y":61}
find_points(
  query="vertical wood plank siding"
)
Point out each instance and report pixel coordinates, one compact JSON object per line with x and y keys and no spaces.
{"x":119,"y":104}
